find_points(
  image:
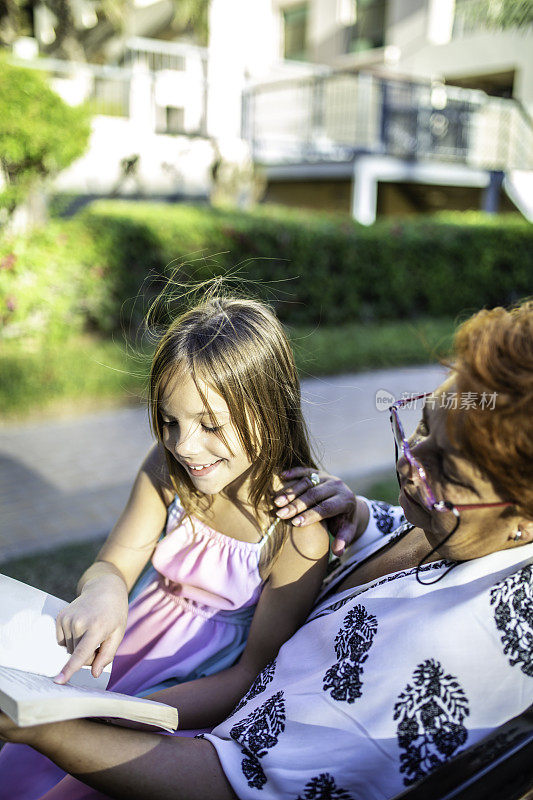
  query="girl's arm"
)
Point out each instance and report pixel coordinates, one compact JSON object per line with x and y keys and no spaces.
{"x":283,"y":606}
{"x":127,"y":764}
{"x":93,"y":625}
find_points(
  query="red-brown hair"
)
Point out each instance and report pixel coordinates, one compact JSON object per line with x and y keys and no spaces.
{"x":494,"y":355}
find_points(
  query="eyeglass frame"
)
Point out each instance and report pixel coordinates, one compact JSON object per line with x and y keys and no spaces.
{"x":436,"y":505}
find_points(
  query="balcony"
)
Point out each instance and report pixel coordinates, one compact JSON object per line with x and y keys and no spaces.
{"x":338,"y":116}
{"x":149,"y":116}
{"x":163,"y":85}
{"x":359,"y":131}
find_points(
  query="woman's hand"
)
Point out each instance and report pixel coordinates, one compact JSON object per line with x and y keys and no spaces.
{"x":92,"y":626}
{"x":304,"y":503}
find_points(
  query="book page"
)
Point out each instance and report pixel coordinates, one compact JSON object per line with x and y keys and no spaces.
{"x":24,"y":686}
{"x":38,"y":699}
{"x":28,"y":633}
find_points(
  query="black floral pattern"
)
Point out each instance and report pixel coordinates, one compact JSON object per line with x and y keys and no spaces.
{"x":512,"y":599}
{"x":383,"y":516}
{"x":430,"y":713}
{"x":257,"y":687}
{"x":323,"y":787}
{"x":256,"y":734}
{"x":330,"y":609}
{"x":352,"y":643}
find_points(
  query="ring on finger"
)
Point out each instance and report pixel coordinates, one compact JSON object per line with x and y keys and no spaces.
{"x":314,"y":477}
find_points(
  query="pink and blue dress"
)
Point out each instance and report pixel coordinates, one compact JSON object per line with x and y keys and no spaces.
{"x":189,"y":617}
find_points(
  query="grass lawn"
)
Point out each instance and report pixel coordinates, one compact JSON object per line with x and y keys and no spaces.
{"x":57,"y":571}
{"x":88,"y":372}
{"x":357,"y":346}
{"x":78,"y":375}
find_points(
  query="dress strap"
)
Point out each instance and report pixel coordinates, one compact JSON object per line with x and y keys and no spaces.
{"x":177,"y":502}
{"x":269,"y":531}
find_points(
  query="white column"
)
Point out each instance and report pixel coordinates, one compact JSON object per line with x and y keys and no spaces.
{"x":364,"y":192}
{"x":440,"y":21}
{"x":242,"y":44}
{"x":142,"y":100}
{"x":226,"y":68}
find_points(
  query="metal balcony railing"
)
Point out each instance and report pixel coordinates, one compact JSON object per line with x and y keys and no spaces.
{"x":335,"y":116}
{"x":161,"y":55}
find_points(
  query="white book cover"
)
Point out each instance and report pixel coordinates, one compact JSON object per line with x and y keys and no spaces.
{"x":28,"y":634}
{"x":30,"y":658}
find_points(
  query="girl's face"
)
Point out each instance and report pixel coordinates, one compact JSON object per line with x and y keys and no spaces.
{"x":192,"y":435}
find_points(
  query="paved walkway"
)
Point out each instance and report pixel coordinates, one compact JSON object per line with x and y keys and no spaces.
{"x":67,"y":481}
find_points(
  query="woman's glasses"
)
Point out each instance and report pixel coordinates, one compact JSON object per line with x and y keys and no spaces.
{"x":401,"y":441}
{"x":402,"y":446}
{"x":450,"y":512}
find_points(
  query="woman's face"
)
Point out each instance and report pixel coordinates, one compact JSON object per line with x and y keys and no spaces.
{"x":457,"y":480}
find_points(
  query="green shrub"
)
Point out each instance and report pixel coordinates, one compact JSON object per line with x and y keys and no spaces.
{"x":39,"y":133}
{"x":100,"y":268}
{"x":320,"y":269}
{"x":51,"y":285}
{"x":42,"y":287}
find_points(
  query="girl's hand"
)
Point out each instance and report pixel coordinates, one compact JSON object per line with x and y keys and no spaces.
{"x":92,"y":626}
{"x":304,"y":503}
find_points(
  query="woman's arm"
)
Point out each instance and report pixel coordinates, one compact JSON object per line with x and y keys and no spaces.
{"x":283,"y":606}
{"x":128,"y":764}
{"x":93,"y":625}
{"x":305,"y":504}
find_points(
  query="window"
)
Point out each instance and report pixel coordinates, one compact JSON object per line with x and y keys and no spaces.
{"x":368,"y":31}
{"x":295,"y":32}
{"x":175,"y":119}
{"x":170,"y":119}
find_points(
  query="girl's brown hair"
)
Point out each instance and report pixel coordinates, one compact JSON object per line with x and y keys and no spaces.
{"x":494,"y":359}
{"x":238,"y":347}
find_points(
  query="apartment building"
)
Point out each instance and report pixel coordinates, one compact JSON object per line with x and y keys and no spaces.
{"x":366,"y":107}
{"x":378,"y":106}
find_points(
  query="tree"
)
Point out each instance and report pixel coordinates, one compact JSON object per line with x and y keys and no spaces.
{"x":108,"y":19}
{"x":39,"y":134}
{"x":499,"y":14}
{"x":192,"y":18}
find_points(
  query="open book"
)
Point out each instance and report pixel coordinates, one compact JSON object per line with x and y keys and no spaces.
{"x":30,"y":657}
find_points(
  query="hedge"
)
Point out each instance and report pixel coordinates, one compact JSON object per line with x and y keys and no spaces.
{"x":315,"y":268}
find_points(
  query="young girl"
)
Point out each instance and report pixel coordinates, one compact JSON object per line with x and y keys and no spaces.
{"x":230,"y":582}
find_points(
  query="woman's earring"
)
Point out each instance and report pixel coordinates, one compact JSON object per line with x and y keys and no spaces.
{"x":516,"y":536}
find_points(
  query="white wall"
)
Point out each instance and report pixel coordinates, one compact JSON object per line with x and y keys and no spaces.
{"x":242,"y":46}
{"x":475,"y":54}
{"x":168,"y":164}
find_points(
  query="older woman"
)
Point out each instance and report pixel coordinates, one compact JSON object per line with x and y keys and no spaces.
{"x":420,"y":643}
